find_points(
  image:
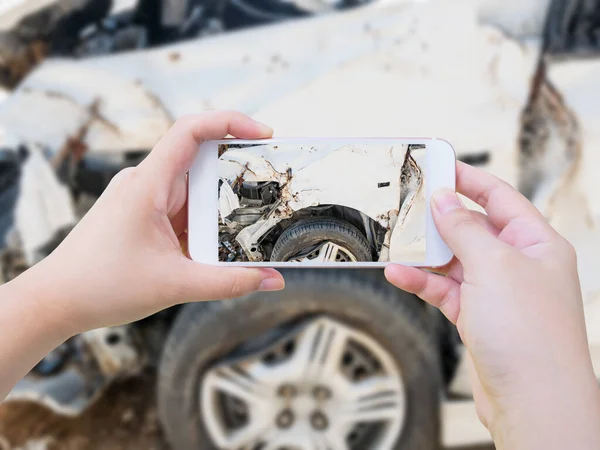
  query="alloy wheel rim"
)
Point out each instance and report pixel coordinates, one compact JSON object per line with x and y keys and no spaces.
{"x":311,"y":398}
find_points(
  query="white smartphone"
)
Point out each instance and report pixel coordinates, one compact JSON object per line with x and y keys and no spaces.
{"x":317,"y":202}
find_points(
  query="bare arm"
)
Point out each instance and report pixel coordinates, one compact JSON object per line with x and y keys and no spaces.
{"x":123,"y":261}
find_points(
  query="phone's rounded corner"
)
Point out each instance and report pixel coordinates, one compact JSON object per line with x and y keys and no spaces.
{"x":191,"y":252}
{"x":446,"y":144}
{"x":444,"y":260}
{"x":209,"y":143}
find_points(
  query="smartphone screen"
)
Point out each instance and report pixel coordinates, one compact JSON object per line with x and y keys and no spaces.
{"x":322,"y":201}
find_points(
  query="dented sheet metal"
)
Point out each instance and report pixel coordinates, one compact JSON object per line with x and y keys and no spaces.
{"x":381,"y":181}
{"x":310,"y":176}
{"x":96,"y":358}
{"x":44,"y":206}
{"x":433,"y":71}
{"x":407,"y":241}
{"x":110,"y":113}
{"x":11,"y":11}
{"x":280,"y":72}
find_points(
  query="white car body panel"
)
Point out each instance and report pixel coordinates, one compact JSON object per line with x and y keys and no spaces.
{"x":11,"y":11}
{"x":316,"y":176}
{"x":310,"y":176}
{"x":427,"y":69}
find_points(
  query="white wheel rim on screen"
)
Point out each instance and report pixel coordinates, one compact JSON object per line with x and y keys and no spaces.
{"x":327,"y":252}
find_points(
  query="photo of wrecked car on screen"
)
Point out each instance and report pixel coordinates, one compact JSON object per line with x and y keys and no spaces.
{"x":331,"y":201}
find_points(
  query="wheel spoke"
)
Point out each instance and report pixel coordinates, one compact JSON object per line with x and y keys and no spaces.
{"x":257,"y":397}
{"x":239,"y":384}
{"x":328,"y":252}
{"x":320,"y":348}
{"x":375,"y":399}
{"x":319,"y":442}
{"x":335,"y":440}
{"x":293,"y":439}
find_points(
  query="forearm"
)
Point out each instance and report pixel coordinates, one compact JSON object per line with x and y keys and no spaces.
{"x":31,"y":326}
{"x":555,"y":413}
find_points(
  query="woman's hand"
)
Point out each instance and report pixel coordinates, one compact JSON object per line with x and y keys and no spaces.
{"x":124,"y":260}
{"x":513,"y":292}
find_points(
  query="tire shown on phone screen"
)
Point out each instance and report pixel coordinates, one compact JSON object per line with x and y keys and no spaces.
{"x":388,"y":339}
{"x":307,"y":238}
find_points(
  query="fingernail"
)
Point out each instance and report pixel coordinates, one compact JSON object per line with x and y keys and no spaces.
{"x":266,"y":129}
{"x":271,"y":284}
{"x":445,"y":200}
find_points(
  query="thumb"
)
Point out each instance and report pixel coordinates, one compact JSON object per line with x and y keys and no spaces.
{"x":459,"y":228}
{"x":199,"y":282}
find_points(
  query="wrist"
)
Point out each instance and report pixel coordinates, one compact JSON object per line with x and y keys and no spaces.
{"x":558,"y":411}
{"x":32,"y":325}
{"x":37,"y":297}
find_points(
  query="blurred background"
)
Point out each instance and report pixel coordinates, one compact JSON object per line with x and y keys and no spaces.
{"x":339,"y":360}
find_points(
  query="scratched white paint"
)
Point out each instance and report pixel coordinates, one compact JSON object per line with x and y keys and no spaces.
{"x":54,"y":103}
{"x":333,"y":173}
{"x":380,"y":70}
{"x":408,"y":241}
{"x":345,"y":175}
{"x":12,"y":11}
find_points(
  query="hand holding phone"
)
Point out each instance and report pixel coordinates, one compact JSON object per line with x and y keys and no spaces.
{"x":511,"y":286}
{"x":318,"y":202}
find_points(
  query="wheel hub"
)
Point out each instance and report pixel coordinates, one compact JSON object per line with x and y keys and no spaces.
{"x":335,"y":388}
{"x":326,"y":252}
{"x":319,"y":421}
{"x":285,"y":419}
{"x":305,"y":404}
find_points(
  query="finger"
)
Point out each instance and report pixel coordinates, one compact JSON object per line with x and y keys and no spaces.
{"x":205,"y":282}
{"x":502,"y":202}
{"x":454,"y":268}
{"x":175,"y":152}
{"x":437,"y":290}
{"x":459,"y":228}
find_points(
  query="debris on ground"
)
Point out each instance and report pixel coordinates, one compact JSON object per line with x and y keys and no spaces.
{"x":125,"y":418}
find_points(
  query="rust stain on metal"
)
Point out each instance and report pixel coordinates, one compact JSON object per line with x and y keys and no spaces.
{"x":546,"y":117}
{"x":222,"y":149}
{"x":75,"y":144}
{"x":157,"y":102}
{"x":17,"y":66}
{"x":96,"y":115}
{"x":248,"y":169}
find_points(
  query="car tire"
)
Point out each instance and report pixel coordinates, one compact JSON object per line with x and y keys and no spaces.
{"x":204,"y":333}
{"x":307,"y":233}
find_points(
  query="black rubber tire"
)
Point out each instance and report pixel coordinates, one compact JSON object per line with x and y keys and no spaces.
{"x":203,"y":333}
{"x":306,"y":233}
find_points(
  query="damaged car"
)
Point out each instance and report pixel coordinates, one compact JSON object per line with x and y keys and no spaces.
{"x":285,"y":202}
{"x":388,"y":372}
{"x":32,"y":30}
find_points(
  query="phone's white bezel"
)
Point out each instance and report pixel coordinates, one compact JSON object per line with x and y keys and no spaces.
{"x":203,"y":196}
